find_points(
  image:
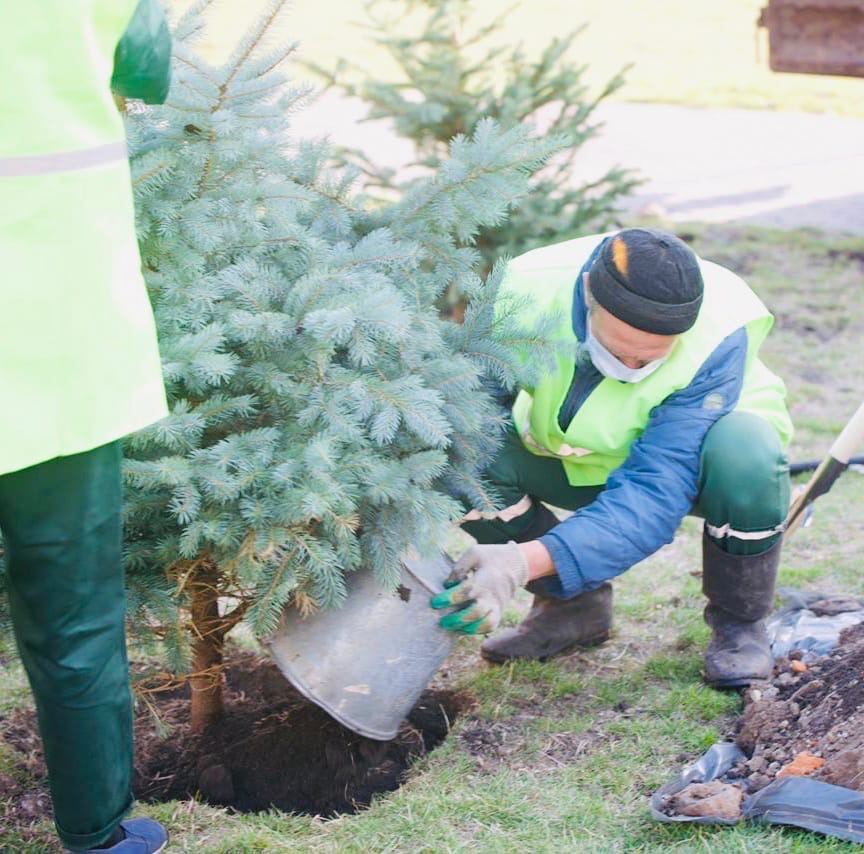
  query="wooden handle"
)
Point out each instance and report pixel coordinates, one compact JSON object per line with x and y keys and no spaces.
{"x":851,"y":439}
{"x":837,"y":461}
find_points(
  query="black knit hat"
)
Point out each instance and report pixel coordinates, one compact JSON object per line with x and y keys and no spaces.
{"x":649,"y":279}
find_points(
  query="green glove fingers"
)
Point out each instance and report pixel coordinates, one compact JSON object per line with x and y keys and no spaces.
{"x":480,"y":627}
{"x":454,"y":621}
{"x":455,"y":594}
{"x":483,"y":580}
{"x":441,"y":600}
{"x":467,"y":620}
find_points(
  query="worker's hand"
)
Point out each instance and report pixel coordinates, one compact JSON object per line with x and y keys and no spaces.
{"x":484,"y":580}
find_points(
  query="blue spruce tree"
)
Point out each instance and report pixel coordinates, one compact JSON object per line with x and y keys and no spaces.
{"x":324,"y":418}
{"x":453,"y":70}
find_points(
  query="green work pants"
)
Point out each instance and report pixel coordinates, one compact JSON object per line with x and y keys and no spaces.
{"x":62,"y":532}
{"x":743,"y":485}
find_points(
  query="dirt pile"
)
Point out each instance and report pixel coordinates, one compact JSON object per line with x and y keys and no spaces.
{"x":809,"y":719}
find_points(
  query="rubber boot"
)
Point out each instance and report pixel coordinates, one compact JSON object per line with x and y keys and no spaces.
{"x":554,"y":626}
{"x":740,"y":591}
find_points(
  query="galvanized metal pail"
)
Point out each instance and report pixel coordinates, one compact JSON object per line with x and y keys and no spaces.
{"x":367,"y":663}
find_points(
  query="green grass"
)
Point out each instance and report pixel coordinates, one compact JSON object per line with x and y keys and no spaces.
{"x":13,"y":683}
{"x":679,"y":51}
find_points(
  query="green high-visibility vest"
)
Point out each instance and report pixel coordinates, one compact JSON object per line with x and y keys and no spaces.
{"x":614,"y":415}
{"x":79,"y":365}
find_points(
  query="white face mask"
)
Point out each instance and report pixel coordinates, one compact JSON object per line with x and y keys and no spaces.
{"x":612,"y":367}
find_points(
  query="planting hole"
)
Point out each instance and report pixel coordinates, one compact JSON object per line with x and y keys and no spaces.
{"x":272,"y":748}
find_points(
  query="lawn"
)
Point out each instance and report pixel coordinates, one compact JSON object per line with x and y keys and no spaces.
{"x":563,"y":755}
{"x":692,"y":52}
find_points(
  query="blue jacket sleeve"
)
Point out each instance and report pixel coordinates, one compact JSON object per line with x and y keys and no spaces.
{"x":647,"y":497}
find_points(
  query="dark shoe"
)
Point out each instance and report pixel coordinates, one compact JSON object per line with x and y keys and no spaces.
{"x":740,"y":591}
{"x":554,"y":626}
{"x":142,"y":836}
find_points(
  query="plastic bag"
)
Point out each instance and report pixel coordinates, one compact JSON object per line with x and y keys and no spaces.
{"x":810,"y":804}
{"x":711,"y":765}
{"x":812,"y":622}
{"x":797,"y":801}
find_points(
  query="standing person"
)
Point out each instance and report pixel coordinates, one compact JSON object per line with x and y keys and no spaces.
{"x":79,"y":369}
{"x":665,"y":410}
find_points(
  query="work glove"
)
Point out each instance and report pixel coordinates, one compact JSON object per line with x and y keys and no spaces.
{"x":484,"y":580}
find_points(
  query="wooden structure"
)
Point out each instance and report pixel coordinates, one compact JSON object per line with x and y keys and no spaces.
{"x":815,"y":36}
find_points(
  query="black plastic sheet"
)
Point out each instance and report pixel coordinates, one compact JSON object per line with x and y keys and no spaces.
{"x":811,"y":621}
{"x":809,"y":804}
{"x":796,"y":801}
{"x":711,"y":765}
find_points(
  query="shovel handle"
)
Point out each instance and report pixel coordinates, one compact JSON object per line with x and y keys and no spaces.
{"x":850,"y":439}
{"x":837,"y":461}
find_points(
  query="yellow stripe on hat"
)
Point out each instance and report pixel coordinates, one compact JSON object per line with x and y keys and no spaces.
{"x":620,"y":257}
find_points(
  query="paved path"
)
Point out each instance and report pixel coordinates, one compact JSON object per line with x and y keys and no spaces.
{"x":769,"y":168}
{"x":779,"y":169}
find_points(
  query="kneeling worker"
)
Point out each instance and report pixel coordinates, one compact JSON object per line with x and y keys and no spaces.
{"x":665,"y":410}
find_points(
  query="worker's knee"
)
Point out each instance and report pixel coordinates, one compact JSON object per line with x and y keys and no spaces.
{"x":744,"y":475}
{"x":510,"y":508}
{"x":505,"y":471}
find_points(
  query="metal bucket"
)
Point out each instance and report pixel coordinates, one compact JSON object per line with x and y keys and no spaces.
{"x":367,"y":663}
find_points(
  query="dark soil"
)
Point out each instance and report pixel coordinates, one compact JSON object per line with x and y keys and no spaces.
{"x":24,"y":798}
{"x":272,"y":748}
{"x":812,"y":711}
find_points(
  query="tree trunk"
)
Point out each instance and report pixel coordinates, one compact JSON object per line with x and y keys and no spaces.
{"x":209,"y":629}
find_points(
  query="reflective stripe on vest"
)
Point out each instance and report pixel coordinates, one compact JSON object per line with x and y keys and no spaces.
{"x":62,"y":161}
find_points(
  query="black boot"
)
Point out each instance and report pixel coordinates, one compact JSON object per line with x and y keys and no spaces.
{"x":740,"y":591}
{"x":553,"y":626}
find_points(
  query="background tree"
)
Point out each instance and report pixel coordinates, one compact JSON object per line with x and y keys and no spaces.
{"x":453,"y":75}
{"x":323,"y":416}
